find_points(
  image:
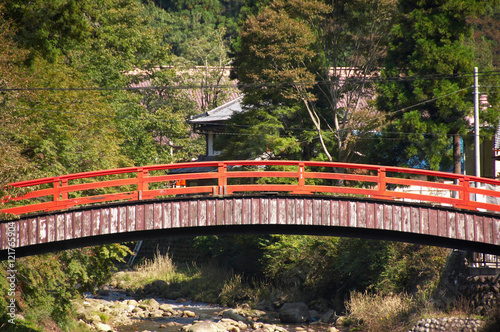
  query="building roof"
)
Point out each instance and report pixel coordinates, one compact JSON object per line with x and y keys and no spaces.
{"x":221,"y":113}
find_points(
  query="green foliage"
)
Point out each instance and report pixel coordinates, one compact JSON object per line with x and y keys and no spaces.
{"x":240,"y":253}
{"x":46,"y":284}
{"x":333,"y":267}
{"x":427,"y":41}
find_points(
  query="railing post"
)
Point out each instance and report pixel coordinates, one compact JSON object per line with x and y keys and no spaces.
{"x":382,"y":183}
{"x":64,"y":184}
{"x":464,"y":194}
{"x":141,"y":185}
{"x":57,"y":192}
{"x":222,"y":179}
{"x":302,"y":179}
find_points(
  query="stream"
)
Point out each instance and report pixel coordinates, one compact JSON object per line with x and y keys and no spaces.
{"x":123,"y":317}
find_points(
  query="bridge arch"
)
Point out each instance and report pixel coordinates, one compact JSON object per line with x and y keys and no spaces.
{"x":257,"y":213}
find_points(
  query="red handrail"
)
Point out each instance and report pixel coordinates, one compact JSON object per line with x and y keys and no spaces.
{"x":353,"y":179}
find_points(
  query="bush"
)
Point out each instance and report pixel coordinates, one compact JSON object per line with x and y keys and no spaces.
{"x":378,"y":312}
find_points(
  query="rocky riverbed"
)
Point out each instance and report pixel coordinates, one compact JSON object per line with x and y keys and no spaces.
{"x":113,"y":310}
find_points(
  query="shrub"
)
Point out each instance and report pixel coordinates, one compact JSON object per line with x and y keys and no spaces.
{"x":377,"y":312}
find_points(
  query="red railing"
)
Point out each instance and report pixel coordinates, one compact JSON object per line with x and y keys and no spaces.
{"x":228,"y":177}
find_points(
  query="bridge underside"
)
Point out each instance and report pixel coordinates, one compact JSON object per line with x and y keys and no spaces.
{"x":204,"y":215}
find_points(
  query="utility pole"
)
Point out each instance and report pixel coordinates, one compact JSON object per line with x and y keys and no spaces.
{"x":476,"y":124}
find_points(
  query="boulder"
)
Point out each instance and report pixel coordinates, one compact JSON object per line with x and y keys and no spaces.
{"x":294,"y":313}
{"x":233,"y":315}
{"x":102,"y":327}
{"x":204,"y":326}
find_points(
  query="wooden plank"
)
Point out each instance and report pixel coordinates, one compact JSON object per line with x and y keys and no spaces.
{"x":246,"y":211}
{"x":273,"y":211}
{"x":370,"y":215}
{"x":60,"y":229}
{"x":220,"y":212}
{"x":469,"y":227}
{"x":478,"y":229}
{"x":433,"y":222}
{"x":308,"y":212}
{"x":335,"y":211}
{"x":424,"y":221}
{"x":379,"y":216}
{"x":176,"y":215}
{"x":353,"y":214}
{"x":69,"y":223}
{"x":167,"y":215}
{"x":202,"y":213}
{"x":326,"y":212}
{"x":42,"y":229}
{"x":255,"y":217}
{"x":415,"y":220}
{"x":406,"y":219}
{"x":344,"y":213}
{"x":184,"y":214}
{"x":140,"y":223}
{"x":317,"y":215}
{"x":24,"y":232}
{"x":264,"y":211}
{"x":149,"y":216}
{"x":77,"y":224}
{"x":488,"y":230}
{"x":388,"y":214}
{"x":193,"y":213}
{"x":397,"y":218}
{"x":460,"y":219}
{"x":452,"y":224}
{"x":361,"y":214}
{"x":442,"y":220}
{"x":290,"y":210}
{"x":211,"y":213}
{"x":51,"y":228}
{"x":281,"y":211}
{"x":96,"y":221}
{"x":122,"y":219}
{"x":33,"y":231}
{"x":496,"y":231}
{"x":86,"y":223}
{"x":238,"y":211}
{"x":228,"y":211}
{"x":4,"y":238}
{"x":131,"y":218}
{"x":113,"y":220}
{"x":158,"y":215}
{"x":105,"y":221}
{"x":299,"y":212}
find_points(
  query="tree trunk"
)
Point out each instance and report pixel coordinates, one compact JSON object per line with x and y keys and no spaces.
{"x":457,"y":154}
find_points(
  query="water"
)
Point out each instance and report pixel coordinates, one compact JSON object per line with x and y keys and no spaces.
{"x":175,"y":323}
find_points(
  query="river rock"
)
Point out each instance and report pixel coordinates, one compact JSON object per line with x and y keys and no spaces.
{"x":166,"y":307}
{"x":188,"y":313}
{"x":294,"y":313}
{"x":149,"y":304}
{"x":204,"y":326}
{"x":233,"y":315}
{"x":328,"y":316}
{"x":132,"y":302}
{"x":102,"y":327}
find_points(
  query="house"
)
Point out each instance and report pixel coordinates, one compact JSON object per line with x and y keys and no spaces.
{"x":211,"y":123}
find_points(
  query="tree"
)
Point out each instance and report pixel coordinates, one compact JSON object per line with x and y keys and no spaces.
{"x":427,"y":79}
{"x":319,"y":55}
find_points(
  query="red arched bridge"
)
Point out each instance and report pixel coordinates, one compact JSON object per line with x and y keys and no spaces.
{"x":303,"y":197}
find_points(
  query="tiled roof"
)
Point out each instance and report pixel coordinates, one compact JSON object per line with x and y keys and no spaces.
{"x":221,"y":113}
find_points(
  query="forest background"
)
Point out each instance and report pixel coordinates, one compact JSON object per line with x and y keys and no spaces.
{"x":87,"y":85}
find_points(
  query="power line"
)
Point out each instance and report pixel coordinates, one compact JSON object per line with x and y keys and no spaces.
{"x":250,"y":85}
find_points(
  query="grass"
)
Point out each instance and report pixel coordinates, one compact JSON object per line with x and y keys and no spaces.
{"x":377,"y":312}
{"x":209,"y":282}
